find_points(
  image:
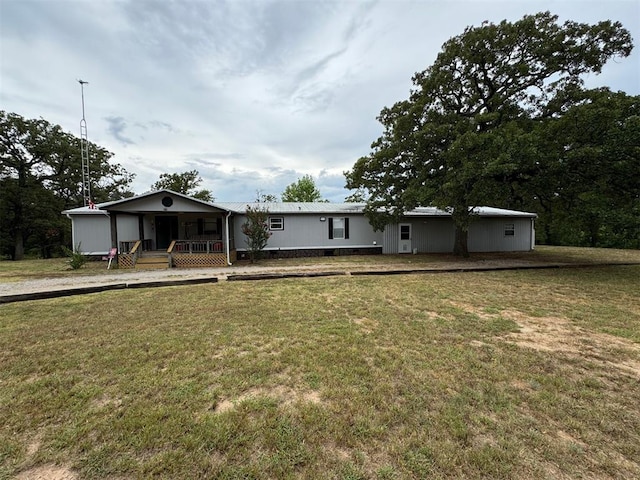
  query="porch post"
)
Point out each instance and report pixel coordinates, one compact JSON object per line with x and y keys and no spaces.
{"x":226,"y":234}
{"x":114,"y":230}
{"x":141,"y":229}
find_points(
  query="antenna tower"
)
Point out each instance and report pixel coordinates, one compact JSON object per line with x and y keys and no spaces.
{"x":84,"y":150}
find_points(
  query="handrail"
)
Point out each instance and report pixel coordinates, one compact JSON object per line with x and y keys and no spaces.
{"x":199,"y":246}
{"x":171,"y":245}
{"x":135,"y":247}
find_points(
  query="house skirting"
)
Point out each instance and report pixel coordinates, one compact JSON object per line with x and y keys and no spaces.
{"x":314,"y":252}
{"x":200,"y":260}
{"x":126,"y":260}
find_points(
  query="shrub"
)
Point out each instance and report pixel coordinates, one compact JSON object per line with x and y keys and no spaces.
{"x":257,"y":231}
{"x":76,"y":258}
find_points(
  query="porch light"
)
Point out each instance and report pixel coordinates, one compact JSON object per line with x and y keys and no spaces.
{"x":322,"y":219}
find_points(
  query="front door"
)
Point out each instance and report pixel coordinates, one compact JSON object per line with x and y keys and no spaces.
{"x":166,"y":231}
{"x":404,"y":244}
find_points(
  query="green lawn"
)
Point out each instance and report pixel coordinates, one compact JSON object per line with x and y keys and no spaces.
{"x":512,"y":374}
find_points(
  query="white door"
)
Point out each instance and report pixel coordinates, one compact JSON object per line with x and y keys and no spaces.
{"x":404,"y":244}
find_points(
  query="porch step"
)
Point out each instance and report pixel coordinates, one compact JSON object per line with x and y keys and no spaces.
{"x":155,"y":262}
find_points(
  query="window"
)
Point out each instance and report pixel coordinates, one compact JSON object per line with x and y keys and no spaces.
{"x":209,"y":226}
{"x":405,"y":232}
{"x":509,"y":230}
{"x":338,"y":228}
{"x":276,"y":223}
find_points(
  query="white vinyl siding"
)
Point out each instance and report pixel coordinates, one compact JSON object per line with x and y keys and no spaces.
{"x":308,"y":231}
{"x":486,"y":234}
{"x":92,"y":233}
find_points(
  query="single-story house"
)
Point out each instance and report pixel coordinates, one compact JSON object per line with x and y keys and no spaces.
{"x":183,"y":231}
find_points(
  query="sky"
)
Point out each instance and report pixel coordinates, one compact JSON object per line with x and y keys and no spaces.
{"x":252,"y":94}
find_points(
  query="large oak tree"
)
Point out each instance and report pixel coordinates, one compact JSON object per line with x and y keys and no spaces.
{"x":41,"y":175}
{"x":467,"y":134}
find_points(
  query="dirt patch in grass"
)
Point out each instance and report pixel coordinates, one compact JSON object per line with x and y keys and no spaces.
{"x":556,"y":334}
{"x":34,"y":445}
{"x":106,"y":402}
{"x":366,"y":324}
{"x":47,"y":472}
{"x":559,"y":335}
{"x":283,"y":395}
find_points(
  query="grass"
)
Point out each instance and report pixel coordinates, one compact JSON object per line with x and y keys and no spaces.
{"x":513,"y":374}
{"x":21,"y":270}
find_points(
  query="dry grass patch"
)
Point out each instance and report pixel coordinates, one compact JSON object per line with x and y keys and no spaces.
{"x":282,"y":395}
{"x":47,"y":472}
{"x":559,"y":335}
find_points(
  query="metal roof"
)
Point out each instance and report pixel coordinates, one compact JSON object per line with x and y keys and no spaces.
{"x":284,"y":208}
{"x":294,"y":207}
{"x":357,"y":208}
{"x":86,"y":210}
{"x":480,"y":211}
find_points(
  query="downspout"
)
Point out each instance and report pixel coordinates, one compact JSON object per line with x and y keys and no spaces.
{"x":227,"y":239}
{"x":533,"y":234}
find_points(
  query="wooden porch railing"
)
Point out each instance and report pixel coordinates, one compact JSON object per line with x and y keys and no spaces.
{"x":128,"y":245}
{"x":135,"y":247}
{"x":196,"y":246}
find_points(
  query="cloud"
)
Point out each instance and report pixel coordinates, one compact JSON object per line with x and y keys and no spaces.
{"x":117,"y":126}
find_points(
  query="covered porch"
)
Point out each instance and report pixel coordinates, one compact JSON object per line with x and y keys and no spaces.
{"x":165,"y":230}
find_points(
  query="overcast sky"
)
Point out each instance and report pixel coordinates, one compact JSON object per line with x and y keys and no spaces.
{"x":252,"y":94}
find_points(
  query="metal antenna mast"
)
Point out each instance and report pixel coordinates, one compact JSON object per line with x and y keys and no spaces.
{"x":84,"y":149}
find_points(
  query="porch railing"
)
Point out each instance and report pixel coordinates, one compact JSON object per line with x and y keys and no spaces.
{"x":127,"y":245}
{"x":197,"y":246}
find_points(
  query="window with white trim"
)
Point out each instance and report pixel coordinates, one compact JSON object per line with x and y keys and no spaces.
{"x":509,"y":230}
{"x":338,"y":228}
{"x":276,"y":223}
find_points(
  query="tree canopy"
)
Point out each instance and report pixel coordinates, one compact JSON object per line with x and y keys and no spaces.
{"x":303,"y":190}
{"x":265,"y":197}
{"x":40,"y":176}
{"x":185,"y":183}
{"x":587,"y":192}
{"x":469,"y":133}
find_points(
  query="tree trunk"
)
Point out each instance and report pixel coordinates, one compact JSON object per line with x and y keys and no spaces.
{"x":18,"y":253}
{"x":460,"y":243}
